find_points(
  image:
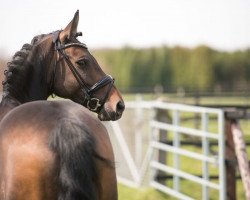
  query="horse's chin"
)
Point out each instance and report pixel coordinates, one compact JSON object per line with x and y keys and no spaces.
{"x":108,"y":115}
{"x":103,"y":116}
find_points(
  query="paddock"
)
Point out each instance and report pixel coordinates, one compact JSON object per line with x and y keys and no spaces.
{"x":187,"y":152}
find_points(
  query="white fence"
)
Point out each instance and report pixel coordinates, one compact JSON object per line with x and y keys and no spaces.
{"x":142,"y":155}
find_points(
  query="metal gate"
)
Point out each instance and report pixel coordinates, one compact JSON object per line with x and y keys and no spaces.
{"x":138,"y":145}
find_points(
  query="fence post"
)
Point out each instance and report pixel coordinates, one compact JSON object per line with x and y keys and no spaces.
{"x":230,"y":161}
{"x":205,"y":150}
{"x":138,"y":132}
{"x":176,"y":143}
{"x":240,"y":149}
{"x":196,"y":115}
{"x":162,"y":116}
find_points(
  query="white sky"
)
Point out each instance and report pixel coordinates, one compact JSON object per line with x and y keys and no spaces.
{"x":222,"y":24}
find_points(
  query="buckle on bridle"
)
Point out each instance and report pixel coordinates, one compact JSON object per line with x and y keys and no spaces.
{"x":93,"y":104}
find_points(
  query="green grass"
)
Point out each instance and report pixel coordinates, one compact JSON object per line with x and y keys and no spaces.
{"x":127,"y":193}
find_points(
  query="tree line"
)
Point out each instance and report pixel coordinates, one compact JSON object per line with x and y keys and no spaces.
{"x":200,"y":69}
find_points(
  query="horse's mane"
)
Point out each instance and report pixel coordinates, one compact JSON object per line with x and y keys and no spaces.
{"x":18,"y":68}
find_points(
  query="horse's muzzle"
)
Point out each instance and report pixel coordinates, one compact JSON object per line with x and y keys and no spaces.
{"x":107,"y":113}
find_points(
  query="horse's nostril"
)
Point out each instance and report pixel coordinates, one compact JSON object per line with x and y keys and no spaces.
{"x":120,"y":107}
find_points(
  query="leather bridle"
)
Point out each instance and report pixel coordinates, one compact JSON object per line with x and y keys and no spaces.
{"x":92,"y":103}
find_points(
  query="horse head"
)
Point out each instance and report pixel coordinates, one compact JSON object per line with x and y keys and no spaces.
{"x":72,"y":72}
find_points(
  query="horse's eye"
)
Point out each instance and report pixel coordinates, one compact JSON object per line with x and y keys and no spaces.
{"x":82,"y":62}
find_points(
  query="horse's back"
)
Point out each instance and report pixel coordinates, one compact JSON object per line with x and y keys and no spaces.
{"x":31,"y":138}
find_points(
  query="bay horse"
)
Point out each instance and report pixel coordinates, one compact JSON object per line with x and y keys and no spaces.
{"x":57,"y":149}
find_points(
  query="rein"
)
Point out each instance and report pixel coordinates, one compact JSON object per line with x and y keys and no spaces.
{"x":92,"y":103}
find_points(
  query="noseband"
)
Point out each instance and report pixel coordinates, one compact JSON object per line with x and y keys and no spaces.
{"x":92,"y":103}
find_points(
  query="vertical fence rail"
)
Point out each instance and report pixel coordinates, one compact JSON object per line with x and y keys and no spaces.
{"x":205,"y":150}
{"x":138,"y":133}
{"x":176,"y":144}
{"x":221,"y":145}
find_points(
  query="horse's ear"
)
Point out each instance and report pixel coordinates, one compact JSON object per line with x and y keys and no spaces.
{"x":71,"y":28}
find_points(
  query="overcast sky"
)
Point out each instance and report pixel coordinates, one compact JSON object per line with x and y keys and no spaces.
{"x":221,"y":24}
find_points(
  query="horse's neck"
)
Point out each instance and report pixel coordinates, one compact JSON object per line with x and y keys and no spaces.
{"x":27,"y":82}
{"x":39,"y":83}
{"x":6,"y":105}
{"x":11,"y":98}
{"x":34,"y":90}
{"x":28,"y":77}
{"x":37,"y":87}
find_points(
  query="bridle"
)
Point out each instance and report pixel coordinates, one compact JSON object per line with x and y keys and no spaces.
{"x":92,"y":103}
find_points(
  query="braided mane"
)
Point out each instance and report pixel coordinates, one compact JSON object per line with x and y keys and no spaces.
{"x":18,"y":69}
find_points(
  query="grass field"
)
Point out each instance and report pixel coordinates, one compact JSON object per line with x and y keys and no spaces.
{"x":126,"y":193}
